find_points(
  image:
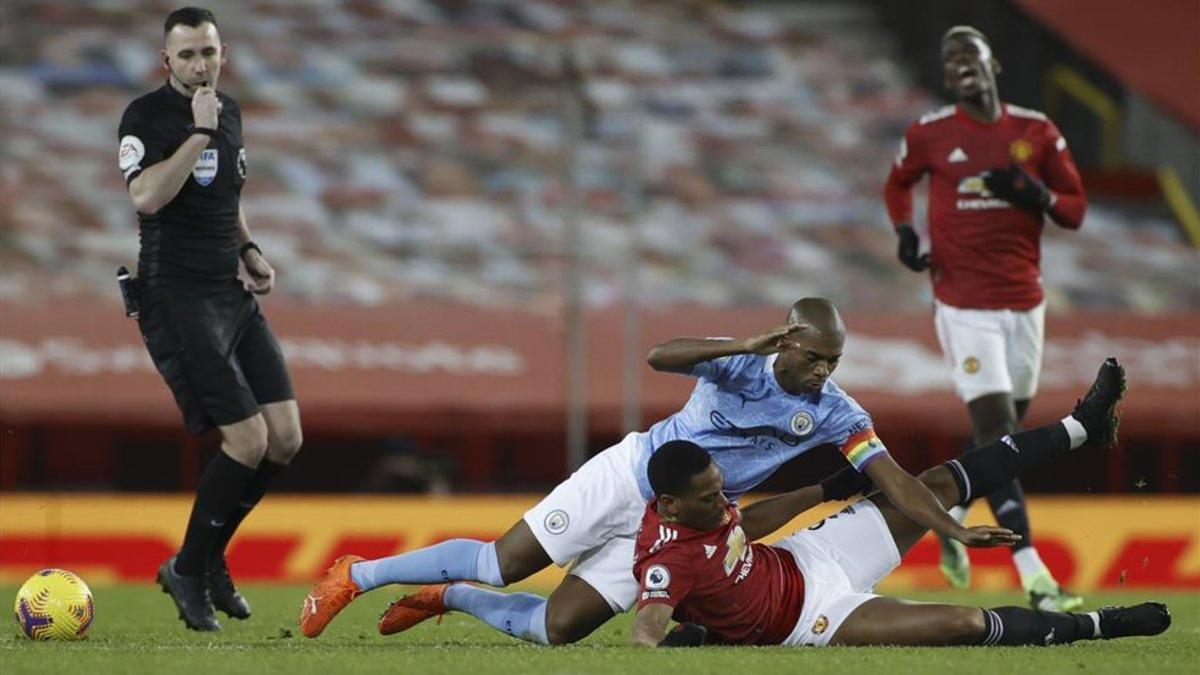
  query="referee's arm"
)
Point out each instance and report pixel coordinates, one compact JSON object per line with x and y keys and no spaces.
{"x":158,"y":184}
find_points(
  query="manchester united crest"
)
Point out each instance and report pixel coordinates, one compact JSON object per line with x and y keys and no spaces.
{"x":970,"y":365}
{"x":1020,"y":150}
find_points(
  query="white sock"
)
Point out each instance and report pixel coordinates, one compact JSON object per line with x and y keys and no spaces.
{"x":1075,"y":430}
{"x":1095,"y":622}
{"x":1028,"y":562}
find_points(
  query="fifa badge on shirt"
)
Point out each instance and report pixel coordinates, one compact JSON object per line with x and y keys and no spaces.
{"x":971,"y":365}
{"x":1020,"y":150}
{"x":205,"y":169}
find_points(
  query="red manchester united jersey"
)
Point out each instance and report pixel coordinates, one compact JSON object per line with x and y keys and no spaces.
{"x":984,"y":251}
{"x":743,"y":593}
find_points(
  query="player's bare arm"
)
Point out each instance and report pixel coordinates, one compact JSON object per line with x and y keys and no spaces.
{"x":155,"y":187}
{"x":681,"y":354}
{"x":260,"y":271}
{"x":918,"y":503}
{"x":650,"y":624}
{"x":765,"y":516}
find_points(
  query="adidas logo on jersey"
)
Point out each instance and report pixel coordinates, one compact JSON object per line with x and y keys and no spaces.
{"x":709,"y":551}
{"x":957,"y":155}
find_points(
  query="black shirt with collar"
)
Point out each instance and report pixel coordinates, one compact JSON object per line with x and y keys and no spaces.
{"x":192,"y":241}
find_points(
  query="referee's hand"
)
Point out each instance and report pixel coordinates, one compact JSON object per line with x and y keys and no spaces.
{"x":206,"y":108}
{"x":262,"y":275}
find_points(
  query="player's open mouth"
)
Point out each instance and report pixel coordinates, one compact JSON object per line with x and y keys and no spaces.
{"x":967,"y":76}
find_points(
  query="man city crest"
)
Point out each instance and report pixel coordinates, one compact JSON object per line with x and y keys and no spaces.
{"x":205,"y":169}
{"x":802,"y":423}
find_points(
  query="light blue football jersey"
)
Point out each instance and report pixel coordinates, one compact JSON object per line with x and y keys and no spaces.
{"x":751,"y":426}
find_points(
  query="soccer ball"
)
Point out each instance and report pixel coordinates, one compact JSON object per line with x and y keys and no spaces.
{"x":54,"y":604}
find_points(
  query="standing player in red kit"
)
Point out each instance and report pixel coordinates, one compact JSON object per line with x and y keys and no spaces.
{"x":995,"y":172}
{"x":695,"y":561}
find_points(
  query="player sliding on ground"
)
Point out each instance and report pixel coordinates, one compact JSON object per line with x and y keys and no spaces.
{"x":758,"y":402}
{"x":696,"y":564}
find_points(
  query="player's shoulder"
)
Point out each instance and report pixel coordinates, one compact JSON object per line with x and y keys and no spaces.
{"x":839,"y":400}
{"x":148,"y":102}
{"x":228,"y":102}
{"x":1025,"y":113}
{"x":933,"y":116}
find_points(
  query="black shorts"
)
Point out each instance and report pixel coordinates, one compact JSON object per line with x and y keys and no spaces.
{"x":216,"y":352}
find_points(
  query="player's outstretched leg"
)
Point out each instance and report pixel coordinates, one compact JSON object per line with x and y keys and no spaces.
{"x":513,"y":557}
{"x":983,"y":469}
{"x":572,"y":612}
{"x":889,"y":621}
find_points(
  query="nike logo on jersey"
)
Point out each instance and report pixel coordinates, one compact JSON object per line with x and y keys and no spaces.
{"x":709,"y":551}
{"x":957,"y":155}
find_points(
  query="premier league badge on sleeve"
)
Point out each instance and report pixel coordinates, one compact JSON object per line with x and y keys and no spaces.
{"x":205,"y":170}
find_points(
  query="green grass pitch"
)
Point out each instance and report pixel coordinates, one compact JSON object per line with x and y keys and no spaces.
{"x":136,"y":632}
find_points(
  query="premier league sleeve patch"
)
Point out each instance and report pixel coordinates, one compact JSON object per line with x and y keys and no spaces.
{"x":205,"y":169}
{"x":130,"y":154}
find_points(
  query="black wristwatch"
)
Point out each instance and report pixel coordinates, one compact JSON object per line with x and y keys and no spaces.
{"x":246,"y":247}
{"x":193,"y":129}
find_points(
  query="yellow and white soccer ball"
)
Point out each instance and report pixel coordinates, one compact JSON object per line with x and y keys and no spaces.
{"x":54,"y":604}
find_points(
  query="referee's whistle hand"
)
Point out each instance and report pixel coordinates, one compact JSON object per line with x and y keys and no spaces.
{"x":206,"y":107}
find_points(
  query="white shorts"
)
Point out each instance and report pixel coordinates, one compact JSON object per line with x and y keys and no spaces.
{"x":592,"y":518}
{"x":841,"y":558}
{"x":992,"y":351}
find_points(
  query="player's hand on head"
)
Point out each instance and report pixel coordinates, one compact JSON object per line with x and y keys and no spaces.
{"x":984,"y":536}
{"x":768,"y":343}
{"x":1015,"y":186}
{"x":206,"y":108}
{"x":908,"y":250}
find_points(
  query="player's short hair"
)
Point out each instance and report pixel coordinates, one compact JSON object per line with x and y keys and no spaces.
{"x":964,"y":31}
{"x":672,"y":466}
{"x":189,"y":16}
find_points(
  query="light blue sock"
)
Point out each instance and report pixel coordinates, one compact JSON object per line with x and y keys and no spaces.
{"x":453,"y":560}
{"x":521,"y":615}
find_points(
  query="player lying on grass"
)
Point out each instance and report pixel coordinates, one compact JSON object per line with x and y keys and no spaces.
{"x":758,"y":402}
{"x":696,"y":564}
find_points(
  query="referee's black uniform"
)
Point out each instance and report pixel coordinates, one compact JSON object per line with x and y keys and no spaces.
{"x":204,"y":332}
{"x":203,"y":329}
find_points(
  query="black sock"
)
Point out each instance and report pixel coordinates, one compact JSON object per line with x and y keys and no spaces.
{"x":1008,"y":505}
{"x":982,"y":471}
{"x":251,"y":495}
{"x":1013,"y":626}
{"x":221,"y":484}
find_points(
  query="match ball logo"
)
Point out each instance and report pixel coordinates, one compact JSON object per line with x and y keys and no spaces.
{"x":657,"y":578}
{"x":1020,"y":150}
{"x":802,"y":423}
{"x":970,"y":365}
{"x":557,"y":521}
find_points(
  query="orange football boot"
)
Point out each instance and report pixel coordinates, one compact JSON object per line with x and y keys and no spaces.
{"x":330,"y":596}
{"x":410,"y":610}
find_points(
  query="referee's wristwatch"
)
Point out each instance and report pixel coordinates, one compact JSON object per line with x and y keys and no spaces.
{"x":246,"y":247}
{"x":207,"y":131}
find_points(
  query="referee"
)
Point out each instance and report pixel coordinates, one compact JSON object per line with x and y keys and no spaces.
{"x":182,"y":157}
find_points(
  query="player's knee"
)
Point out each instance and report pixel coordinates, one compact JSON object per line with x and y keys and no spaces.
{"x":247,"y":449}
{"x":284,"y":444}
{"x":562,"y":627}
{"x":965,"y":626}
{"x":941,"y":483}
